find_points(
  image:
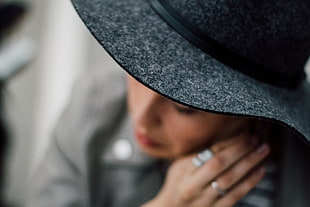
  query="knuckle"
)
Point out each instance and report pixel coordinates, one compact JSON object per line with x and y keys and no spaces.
{"x":227,"y":179}
{"x":250,"y":183}
{"x":243,"y":190}
{"x":217,"y":148}
{"x":187,"y":193}
{"x":236,"y":195}
{"x":217,"y":162}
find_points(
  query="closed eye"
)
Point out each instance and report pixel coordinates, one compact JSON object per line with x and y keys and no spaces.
{"x":184,"y":109}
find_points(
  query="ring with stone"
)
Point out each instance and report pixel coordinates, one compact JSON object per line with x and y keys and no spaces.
{"x":202,"y":157}
{"x":216,"y":187}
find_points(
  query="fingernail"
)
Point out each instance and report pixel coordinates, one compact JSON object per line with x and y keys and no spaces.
{"x":264,"y":148}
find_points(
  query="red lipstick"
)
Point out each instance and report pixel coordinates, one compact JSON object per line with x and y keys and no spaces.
{"x":145,"y":140}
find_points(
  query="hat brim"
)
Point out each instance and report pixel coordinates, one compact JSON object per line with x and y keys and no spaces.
{"x":157,"y":56}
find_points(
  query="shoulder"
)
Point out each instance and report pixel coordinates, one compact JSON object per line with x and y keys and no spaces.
{"x":97,"y":98}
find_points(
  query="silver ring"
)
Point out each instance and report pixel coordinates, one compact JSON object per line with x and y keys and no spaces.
{"x":216,"y":187}
{"x":202,"y":158}
{"x":205,"y":155}
{"x":196,"y":162}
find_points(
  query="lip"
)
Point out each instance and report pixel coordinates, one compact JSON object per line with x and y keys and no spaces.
{"x":145,"y":140}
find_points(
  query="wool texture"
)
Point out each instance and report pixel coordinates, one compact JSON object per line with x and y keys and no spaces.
{"x":160,"y":58}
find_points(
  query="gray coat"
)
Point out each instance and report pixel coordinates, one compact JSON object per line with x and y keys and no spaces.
{"x":84,"y":167}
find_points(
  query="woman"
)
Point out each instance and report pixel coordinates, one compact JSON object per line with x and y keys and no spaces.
{"x":218,"y":99}
{"x":167,"y":130}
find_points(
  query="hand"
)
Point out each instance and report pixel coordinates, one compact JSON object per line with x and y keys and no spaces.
{"x":234,"y":166}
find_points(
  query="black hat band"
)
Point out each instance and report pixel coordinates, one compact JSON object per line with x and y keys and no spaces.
{"x":201,"y":40}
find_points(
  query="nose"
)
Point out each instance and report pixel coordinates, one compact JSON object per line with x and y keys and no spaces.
{"x":151,"y":110}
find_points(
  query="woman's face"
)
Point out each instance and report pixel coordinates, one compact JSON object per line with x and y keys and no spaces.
{"x":165,"y":129}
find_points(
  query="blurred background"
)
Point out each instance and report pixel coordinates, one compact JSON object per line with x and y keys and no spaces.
{"x":43,"y":54}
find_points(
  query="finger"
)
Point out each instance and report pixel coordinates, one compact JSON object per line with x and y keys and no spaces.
{"x":197,"y":162}
{"x":206,"y":197}
{"x":219,"y":145}
{"x":210,"y":196}
{"x":199,"y":177}
{"x":215,"y":149}
{"x":243,"y":167}
{"x":234,"y":175}
{"x":239,"y":191}
{"x":221,"y":161}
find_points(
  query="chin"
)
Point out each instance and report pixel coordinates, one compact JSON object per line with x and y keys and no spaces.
{"x":157,"y":154}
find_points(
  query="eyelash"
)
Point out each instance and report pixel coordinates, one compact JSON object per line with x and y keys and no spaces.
{"x":184,"y":110}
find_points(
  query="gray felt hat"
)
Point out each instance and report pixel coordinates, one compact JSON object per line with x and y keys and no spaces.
{"x":230,"y":57}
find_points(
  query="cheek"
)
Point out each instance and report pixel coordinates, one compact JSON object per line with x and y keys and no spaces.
{"x":191,"y":134}
{"x":131,"y":101}
{"x":134,"y":95}
{"x":187,"y":137}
